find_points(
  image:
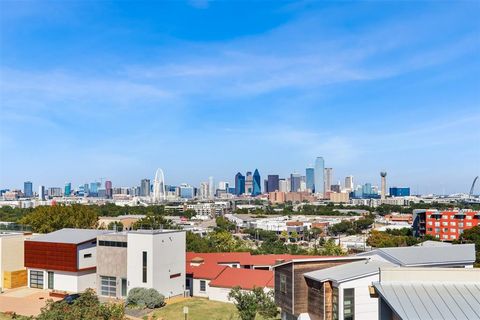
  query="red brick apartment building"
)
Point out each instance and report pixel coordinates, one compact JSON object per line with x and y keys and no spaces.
{"x":444,"y":225}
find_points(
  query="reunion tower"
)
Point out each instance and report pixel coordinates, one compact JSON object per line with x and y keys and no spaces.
{"x":383,"y":175}
{"x":159,"y":186}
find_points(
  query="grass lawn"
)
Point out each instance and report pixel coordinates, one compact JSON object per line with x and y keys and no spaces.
{"x":198,"y":309}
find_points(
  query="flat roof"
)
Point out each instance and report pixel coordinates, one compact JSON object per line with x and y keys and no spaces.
{"x":348,"y":271}
{"x":154,"y":231}
{"x":69,"y":235}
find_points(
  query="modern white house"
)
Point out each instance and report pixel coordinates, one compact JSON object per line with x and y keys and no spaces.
{"x":64,"y":260}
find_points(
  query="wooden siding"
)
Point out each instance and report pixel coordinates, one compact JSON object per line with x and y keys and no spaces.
{"x":284,"y":300}
{"x":315,"y":300}
{"x":14,"y":279}
{"x":51,"y":256}
{"x":300,"y":285}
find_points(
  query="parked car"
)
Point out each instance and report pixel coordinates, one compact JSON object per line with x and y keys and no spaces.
{"x":69,"y":299}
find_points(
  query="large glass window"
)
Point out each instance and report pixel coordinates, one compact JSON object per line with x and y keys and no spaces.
{"x":144,"y":266}
{"x":335,"y":303}
{"x":108,"y":286}
{"x":283,"y":283}
{"x":348,"y":304}
{"x":36,"y":279}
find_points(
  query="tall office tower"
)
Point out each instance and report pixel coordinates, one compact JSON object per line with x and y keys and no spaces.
{"x":249,"y":183}
{"x":349,"y":183}
{"x":28,"y":189}
{"x":383,"y":175}
{"x":223,"y":185}
{"x":319,"y":180}
{"x":93,"y":189}
{"x":310,"y":178}
{"x":257,"y":187}
{"x":41,"y":193}
{"x":328,"y":179}
{"x":239,"y":184}
{"x":86,"y":190}
{"x":283,"y":185}
{"x":203,"y":190}
{"x":68,"y":189}
{"x":145,"y":188}
{"x":108,"y":189}
{"x":295,"y":180}
{"x":273,"y":183}
{"x":211,"y":188}
{"x":159,"y":191}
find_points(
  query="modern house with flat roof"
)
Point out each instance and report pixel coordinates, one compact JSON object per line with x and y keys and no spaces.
{"x":141,"y":258}
{"x":64,"y":260}
{"x":428,"y":293}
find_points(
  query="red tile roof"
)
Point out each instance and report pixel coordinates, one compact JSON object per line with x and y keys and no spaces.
{"x":208,"y":270}
{"x":244,"y":278}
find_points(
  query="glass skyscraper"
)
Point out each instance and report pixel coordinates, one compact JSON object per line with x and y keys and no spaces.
{"x":295,"y":182}
{"x":273,"y":183}
{"x":319,"y":181}
{"x":257,"y":189}
{"x":68,"y":189}
{"x":310,"y":179}
{"x":239,"y":184}
{"x":28,"y":189}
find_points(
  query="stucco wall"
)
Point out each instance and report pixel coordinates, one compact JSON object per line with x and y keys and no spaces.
{"x":366,"y":308}
{"x":11,"y":254}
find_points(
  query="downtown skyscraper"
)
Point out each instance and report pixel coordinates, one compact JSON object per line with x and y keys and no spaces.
{"x":319,"y":176}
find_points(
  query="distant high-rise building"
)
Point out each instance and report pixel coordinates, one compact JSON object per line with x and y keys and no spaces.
{"x":310,"y":178}
{"x":239,"y":184}
{"x":399,"y":192}
{"x":349,"y":183}
{"x":273,"y":183}
{"x":186,"y":191}
{"x":335,"y":188}
{"x":257,"y":187}
{"x":319,"y":176}
{"x":249,"y":183}
{"x":68,"y":189}
{"x":41,"y":193}
{"x":93,"y":192}
{"x":328,"y":179}
{"x":145,"y":188}
{"x":86,"y":190}
{"x":55,"y":192}
{"x":28,"y":189}
{"x":108,"y":189}
{"x":383,"y":192}
{"x":211,"y":188}
{"x":283,"y":185}
{"x":295,"y":180}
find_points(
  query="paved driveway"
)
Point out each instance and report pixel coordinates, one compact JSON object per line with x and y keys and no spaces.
{"x":24,"y":301}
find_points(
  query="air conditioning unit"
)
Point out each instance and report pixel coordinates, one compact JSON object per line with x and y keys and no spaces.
{"x":186,"y":293}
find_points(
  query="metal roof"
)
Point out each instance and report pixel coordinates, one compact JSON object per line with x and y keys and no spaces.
{"x":435,"y":301}
{"x":428,"y":255}
{"x":348,"y":271}
{"x":68,"y":235}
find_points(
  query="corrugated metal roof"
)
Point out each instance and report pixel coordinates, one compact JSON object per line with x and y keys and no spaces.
{"x":417,"y":256}
{"x":432,"y":301}
{"x":68,"y":235}
{"x":348,"y":271}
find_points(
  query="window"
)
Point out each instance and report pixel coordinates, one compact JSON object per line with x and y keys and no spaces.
{"x":453,"y":230}
{"x":124,"y":287}
{"x":348,"y":304}
{"x":144,"y":266}
{"x":437,"y":224}
{"x":87,"y":255}
{"x":36,"y":279}
{"x":283,"y":283}
{"x":430,"y":223}
{"x":335,"y":304}
{"x":444,"y":223}
{"x":460,"y":224}
{"x":176,"y":275}
{"x":203,"y":286}
{"x":108,"y":286}
{"x":469,"y":224}
{"x":445,"y":236}
{"x":118,"y":244}
{"x":453,"y":223}
{"x":50,"y":280}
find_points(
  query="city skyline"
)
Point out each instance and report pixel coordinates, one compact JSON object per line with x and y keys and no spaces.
{"x":198,"y":91}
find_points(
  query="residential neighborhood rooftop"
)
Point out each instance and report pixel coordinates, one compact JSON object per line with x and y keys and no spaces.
{"x":423,"y":255}
{"x":246,"y":279}
{"x":68,"y":235}
{"x":348,"y":271}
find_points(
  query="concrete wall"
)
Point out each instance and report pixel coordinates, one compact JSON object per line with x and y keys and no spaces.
{"x":165,"y":259}
{"x":11,"y":254}
{"x":112,"y":261}
{"x":366,"y":308}
{"x":219,"y":294}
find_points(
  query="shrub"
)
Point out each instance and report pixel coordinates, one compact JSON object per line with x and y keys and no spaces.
{"x":142,"y":297}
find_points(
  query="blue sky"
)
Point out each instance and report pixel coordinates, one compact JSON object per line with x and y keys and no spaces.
{"x":94,"y":89}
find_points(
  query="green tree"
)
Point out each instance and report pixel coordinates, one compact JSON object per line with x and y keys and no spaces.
{"x":331,"y":249}
{"x":472,"y":235}
{"x":251,"y":303}
{"x":224,"y":224}
{"x":115,"y":225}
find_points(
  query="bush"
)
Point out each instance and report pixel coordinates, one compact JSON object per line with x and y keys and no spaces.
{"x":142,"y":297}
